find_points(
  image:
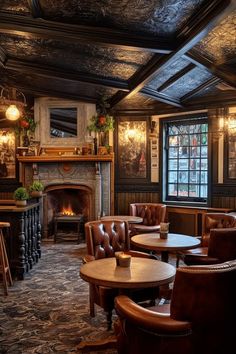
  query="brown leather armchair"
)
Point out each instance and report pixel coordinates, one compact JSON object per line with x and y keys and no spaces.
{"x":103,"y":239}
{"x":152,"y":214}
{"x":201,"y":317}
{"x":221,"y":248}
{"x":209,"y":221}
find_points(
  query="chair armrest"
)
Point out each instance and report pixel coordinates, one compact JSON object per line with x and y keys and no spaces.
{"x":88,"y":258}
{"x":152,"y":321}
{"x":198,"y":259}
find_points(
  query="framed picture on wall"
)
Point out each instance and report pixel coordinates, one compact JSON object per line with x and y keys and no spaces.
{"x":231,"y":156}
{"x":132,"y":150}
{"x":7,"y":153}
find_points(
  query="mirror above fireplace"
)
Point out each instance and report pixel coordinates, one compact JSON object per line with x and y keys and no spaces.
{"x":62,"y":122}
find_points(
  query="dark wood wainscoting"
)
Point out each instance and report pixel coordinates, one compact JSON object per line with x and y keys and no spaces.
{"x":124,"y":199}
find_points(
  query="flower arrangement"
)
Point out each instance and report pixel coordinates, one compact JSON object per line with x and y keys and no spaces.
{"x":101,"y":121}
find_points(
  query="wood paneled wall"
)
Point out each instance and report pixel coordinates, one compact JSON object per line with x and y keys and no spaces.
{"x":124,"y":199}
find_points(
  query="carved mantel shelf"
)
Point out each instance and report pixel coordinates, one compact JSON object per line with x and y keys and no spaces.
{"x":67,"y":158}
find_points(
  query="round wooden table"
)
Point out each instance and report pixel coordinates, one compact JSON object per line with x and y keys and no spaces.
{"x":142,"y":273}
{"x":129,"y":218}
{"x":174,"y":243}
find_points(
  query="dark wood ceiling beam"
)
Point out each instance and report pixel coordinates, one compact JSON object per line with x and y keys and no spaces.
{"x":170,"y":82}
{"x":39,"y":28}
{"x":52,"y":72}
{"x":212,"y":81}
{"x":161,"y":97}
{"x":228,"y":76}
{"x":40,"y":92}
{"x":35,"y":8}
{"x":211,"y":14}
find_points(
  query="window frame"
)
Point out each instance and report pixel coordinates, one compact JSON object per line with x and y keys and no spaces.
{"x":184,"y":120}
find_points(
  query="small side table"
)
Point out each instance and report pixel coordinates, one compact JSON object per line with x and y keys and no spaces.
{"x":75,"y":219}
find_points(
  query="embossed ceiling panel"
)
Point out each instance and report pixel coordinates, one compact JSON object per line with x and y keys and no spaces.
{"x":142,"y":16}
{"x":188,"y":82}
{"x":107,"y":62}
{"x":167,"y":73}
{"x":16,"y":6}
{"x":40,"y":50}
{"x":220,"y":44}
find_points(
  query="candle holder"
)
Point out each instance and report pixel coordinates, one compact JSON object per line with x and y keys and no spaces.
{"x":164,"y":229}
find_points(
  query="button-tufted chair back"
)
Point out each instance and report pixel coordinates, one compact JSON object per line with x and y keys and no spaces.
{"x":152,"y":213}
{"x":104,"y":238}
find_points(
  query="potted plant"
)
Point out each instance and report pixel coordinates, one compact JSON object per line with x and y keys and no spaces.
{"x":36,"y":189}
{"x":21,"y":196}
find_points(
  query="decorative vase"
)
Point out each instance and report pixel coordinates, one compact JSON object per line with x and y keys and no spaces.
{"x":102,"y":138}
{"x":21,"y":203}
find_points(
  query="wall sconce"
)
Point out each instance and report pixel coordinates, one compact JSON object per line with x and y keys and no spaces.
{"x":226,"y":122}
{"x":14,"y":101}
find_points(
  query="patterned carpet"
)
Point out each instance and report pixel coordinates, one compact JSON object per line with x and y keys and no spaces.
{"x":48,"y":311}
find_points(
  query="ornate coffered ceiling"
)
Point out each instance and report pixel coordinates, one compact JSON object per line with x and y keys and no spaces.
{"x":157,"y":55}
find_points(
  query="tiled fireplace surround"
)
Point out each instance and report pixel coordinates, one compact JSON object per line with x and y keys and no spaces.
{"x":89,"y":181}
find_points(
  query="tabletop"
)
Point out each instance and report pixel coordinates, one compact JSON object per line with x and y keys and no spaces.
{"x":142,"y":273}
{"x":174,"y":242}
{"x":129,"y":218}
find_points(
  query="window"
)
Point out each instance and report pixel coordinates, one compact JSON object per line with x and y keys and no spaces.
{"x":186,"y":160}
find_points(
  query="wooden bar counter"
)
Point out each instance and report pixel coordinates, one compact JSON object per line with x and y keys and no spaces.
{"x":23,"y":241}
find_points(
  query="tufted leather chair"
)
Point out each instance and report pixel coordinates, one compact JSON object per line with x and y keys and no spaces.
{"x":103,"y":239}
{"x":221,"y":248}
{"x":201,"y":316}
{"x":152,"y":214}
{"x":209,"y":221}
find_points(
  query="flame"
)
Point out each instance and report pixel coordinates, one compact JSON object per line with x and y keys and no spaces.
{"x":67,"y":211}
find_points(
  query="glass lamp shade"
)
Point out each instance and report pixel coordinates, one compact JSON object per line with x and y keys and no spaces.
{"x":12,"y":112}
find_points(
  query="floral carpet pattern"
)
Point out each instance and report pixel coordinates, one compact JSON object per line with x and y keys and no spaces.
{"x":48,"y":312}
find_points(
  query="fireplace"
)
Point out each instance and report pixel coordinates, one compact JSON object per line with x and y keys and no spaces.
{"x":83,"y":183}
{"x":67,"y":201}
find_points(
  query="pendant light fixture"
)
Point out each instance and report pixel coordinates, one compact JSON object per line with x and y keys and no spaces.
{"x":14,"y":101}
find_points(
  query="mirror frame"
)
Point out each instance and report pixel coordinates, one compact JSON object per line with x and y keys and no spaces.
{"x":42,"y":116}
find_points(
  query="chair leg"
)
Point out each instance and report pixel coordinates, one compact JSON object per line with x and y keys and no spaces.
{"x":91,"y":302}
{"x":109,"y":320}
{"x":177,"y":261}
{"x":4,"y":265}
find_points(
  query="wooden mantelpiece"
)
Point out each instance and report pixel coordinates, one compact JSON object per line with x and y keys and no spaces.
{"x":67,"y":158}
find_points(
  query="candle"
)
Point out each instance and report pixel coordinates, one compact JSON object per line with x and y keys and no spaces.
{"x":124,"y":260}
